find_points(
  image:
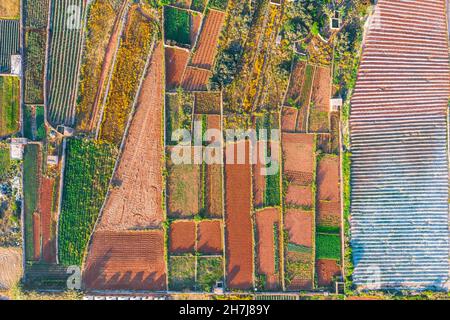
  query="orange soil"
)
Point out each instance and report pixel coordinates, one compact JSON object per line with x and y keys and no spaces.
{"x":289,"y":119}
{"x":137,"y":201}
{"x":209,"y":237}
{"x":196,"y":22}
{"x":329,"y":214}
{"x":126,"y":261}
{"x":298,"y":153}
{"x":326,"y":270}
{"x":206,"y":49}
{"x":214,"y":190}
{"x":300,"y":196}
{"x":182,"y":237}
{"x":328,"y":179}
{"x":196,"y":79}
{"x":45,"y":207}
{"x":176,"y":61}
{"x":299,"y":225}
{"x":36,"y":236}
{"x":238,"y":236}
{"x":265,"y":221}
{"x":296,"y":83}
{"x":321,"y":89}
{"x":259,"y":180}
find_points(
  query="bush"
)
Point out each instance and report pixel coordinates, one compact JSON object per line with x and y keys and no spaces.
{"x":177,"y":25}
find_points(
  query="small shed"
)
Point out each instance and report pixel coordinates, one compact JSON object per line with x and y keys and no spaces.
{"x":17,"y":148}
{"x":335,"y":104}
{"x":52,"y":160}
{"x":16,"y":65}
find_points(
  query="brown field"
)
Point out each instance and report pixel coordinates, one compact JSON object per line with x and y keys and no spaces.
{"x":298,"y":155}
{"x":136,"y":201}
{"x":214,"y":194}
{"x":196,"y":23}
{"x":296,"y":83}
{"x":320,"y":101}
{"x":45,"y":207}
{"x":9,"y":8}
{"x":265,"y":221}
{"x":126,"y":261}
{"x":238,"y":236}
{"x":36,"y":236}
{"x":289,"y":119}
{"x":326,"y":271}
{"x":299,"y":225}
{"x":259,"y":181}
{"x":196,"y":79}
{"x":209,"y":235}
{"x":206,"y":48}
{"x":208,"y":102}
{"x":176,"y":61}
{"x":182,"y":237}
{"x":300,"y":265}
{"x":329,"y":214}
{"x":299,"y":196}
{"x":328,"y":179}
{"x":10,"y":267}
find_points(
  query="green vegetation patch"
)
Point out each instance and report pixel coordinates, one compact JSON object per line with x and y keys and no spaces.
{"x":198,"y":5}
{"x":307,"y":86}
{"x":177,"y":25}
{"x":34,"y":66}
{"x":182,"y":273}
{"x":9,"y":105}
{"x":178,"y":114}
{"x":218,"y":4}
{"x":89,"y":166}
{"x":36,"y":13}
{"x":209,"y":271}
{"x":328,"y":246}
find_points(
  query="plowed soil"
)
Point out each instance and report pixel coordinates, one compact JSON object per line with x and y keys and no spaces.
{"x":328,"y":179}
{"x":45,"y":207}
{"x":182,"y":237}
{"x":298,"y":153}
{"x":36,"y":236}
{"x":326,"y":271}
{"x":209,"y":235}
{"x":176,"y":62}
{"x":299,"y":196}
{"x":259,"y":181}
{"x":196,"y":79}
{"x":126,"y":261}
{"x":10,"y":267}
{"x":299,"y":225}
{"x":289,"y":119}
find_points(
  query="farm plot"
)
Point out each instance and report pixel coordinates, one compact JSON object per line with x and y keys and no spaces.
{"x":196,"y":79}
{"x":209,"y":237}
{"x":178,"y":114}
{"x":199,"y":5}
{"x":31,"y":175}
{"x":9,"y":43}
{"x":176,"y":62}
{"x":196,"y":23}
{"x":135,"y":201}
{"x":182,"y":273}
{"x":137,"y":42}
{"x":181,"y":3}
{"x":34,"y":66}
{"x":304,"y":100}
{"x":64,"y":61}
{"x":127,"y":260}
{"x":289,"y":119}
{"x":214,"y":198}
{"x":208,"y":102}
{"x":97,"y":58}
{"x":296,"y":84}
{"x":218,"y":4}
{"x":320,"y":101}
{"x":299,"y":157}
{"x":238,"y":223}
{"x":47,"y":222}
{"x":182,"y":236}
{"x":10,"y":9}
{"x":206,"y":49}
{"x":177,"y":26}
{"x":268,"y":248}
{"x":89,"y":167}
{"x":209,"y":272}
{"x":299,"y":243}
{"x":36,"y":13}
{"x":34,"y":123}
{"x":37,"y":236}
{"x":9,"y":105}
{"x":10,"y":266}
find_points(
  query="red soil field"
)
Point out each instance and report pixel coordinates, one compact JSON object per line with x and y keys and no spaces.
{"x":176,"y":61}
{"x":328,"y":179}
{"x":36,"y":236}
{"x":299,"y":225}
{"x":329,"y":214}
{"x":238,"y":223}
{"x":265,"y":221}
{"x":206,"y":48}
{"x":289,"y":119}
{"x":209,"y":235}
{"x":214,"y":121}
{"x":196,"y":79}
{"x":299,"y":196}
{"x":182,"y":237}
{"x":326,"y":271}
{"x":298,"y":153}
{"x":126,"y":261}
{"x":259,"y":181}
{"x":137,"y":201}
{"x":321,"y":90}
{"x":296,"y":83}
{"x":214,"y":192}
{"x":196,"y":23}
{"x":45,"y":207}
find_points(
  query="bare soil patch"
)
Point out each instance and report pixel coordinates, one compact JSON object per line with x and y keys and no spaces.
{"x":289,"y":119}
{"x":182,"y":237}
{"x":298,"y":155}
{"x":299,"y":225}
{"x":176,"y":62}
{"x":47,"y":224}
{"x":196,"y":79}
{"x":10,"y":267}
{"x":209,"y":235}
{"x":299,"y":196}
{"x":326,"y":271}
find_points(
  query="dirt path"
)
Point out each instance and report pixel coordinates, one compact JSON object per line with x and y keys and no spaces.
{"x":10,"y":267}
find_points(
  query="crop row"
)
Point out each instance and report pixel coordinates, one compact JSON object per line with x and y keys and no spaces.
{"x":9,"y":43}
{"x":34,"y":66}
{"x":36,"y":13}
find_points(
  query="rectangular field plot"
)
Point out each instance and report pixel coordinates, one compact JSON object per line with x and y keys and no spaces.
{"x":319,"y":120}
{"x":179,"y":108}
{"x":34,"y":123}
{"x":126,"y":261}
{"x":176,"y":62}
{"x":34,"y":66}
{"x":299,"y":157}
{"x":196,"y":79}
{"x":9,"y":105}
{"x":268,"y":248}
{"x":209,"y":237}
{"x":182,"y":273}
{"x":208,"y":102}
{"x":10,"y":9}
{"x":218,"y":4}
{"x":9,"y":43}
{"x":177,"y":26}
{"x":35,"y":13}
{"x":182,"y":237}
{"x":209,"y":272}
{"x":198,"y":5}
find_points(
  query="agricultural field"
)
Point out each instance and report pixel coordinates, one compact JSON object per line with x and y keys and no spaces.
{"x":179,"y":110}
{"x":10,"y":9}
{"x":177,"y":26}
{"x":138,"y":41}
{"x":103,"y":24}
{"x":34,"y":66}
{"x":64,"y":61}
{"x":176,"y":62}
{"x":88,"y":170}
{"x":9,"y":105}
{"x":36,"y":13}
{"x":34,"y":123}
{"x":9,"y":43}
